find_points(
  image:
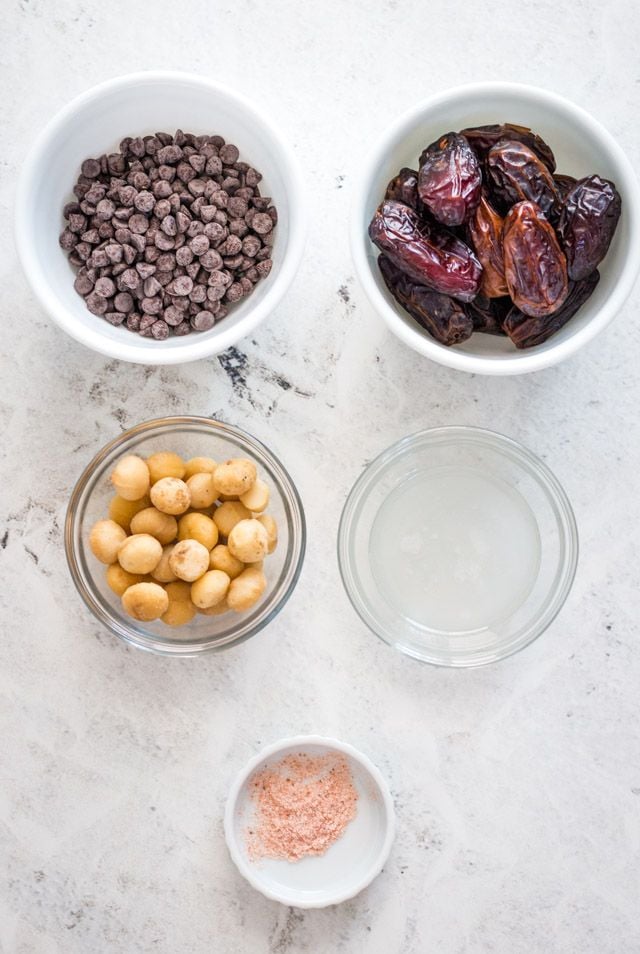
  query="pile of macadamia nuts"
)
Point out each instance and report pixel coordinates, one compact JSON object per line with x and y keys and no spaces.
{"x":185,"y":536}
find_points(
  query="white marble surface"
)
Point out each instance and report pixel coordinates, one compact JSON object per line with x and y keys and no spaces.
{"x":517,"y":787}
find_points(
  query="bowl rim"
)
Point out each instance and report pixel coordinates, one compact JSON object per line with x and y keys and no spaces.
{"x":182,"y":648}
{"x":519,"y":362}
{"x":555,"y":492}
{"x":337,"y":745}
{"x":91,"y":336}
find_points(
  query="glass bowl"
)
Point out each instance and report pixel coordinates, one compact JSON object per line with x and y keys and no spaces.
{"x":189,"y":437}
{"x":457,"y":546}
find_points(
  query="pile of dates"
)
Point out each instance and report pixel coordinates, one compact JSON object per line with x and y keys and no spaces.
{"x":486,"y":236}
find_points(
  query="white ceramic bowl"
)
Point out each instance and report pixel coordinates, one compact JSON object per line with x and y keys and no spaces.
{"x":95,"y":122}
{"x":349,"y":865}
{"x":581,"y":146}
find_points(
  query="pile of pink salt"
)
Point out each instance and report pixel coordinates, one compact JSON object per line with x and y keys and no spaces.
{"x":303,"y":804}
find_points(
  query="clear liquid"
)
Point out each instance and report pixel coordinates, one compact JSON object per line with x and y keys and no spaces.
{"x":455,"y":550}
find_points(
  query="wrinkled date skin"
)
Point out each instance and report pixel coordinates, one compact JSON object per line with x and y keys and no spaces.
{"x":488,"y":314}
{"x":564,"y":184}
{"x":587,"y":223}
{"x":428,"y":256}
{"x":526,"y":332}
{"x":404,"y":188}
{"x":450,"y":179}
{"x":534,"y":264}
{"x":444,"y":319}
{"x":485,"y":230}
{"x":484,"y":138}
{"x":519,"y":176}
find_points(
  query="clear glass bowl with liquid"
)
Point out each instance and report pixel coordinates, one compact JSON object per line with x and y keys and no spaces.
{"x":457,"y":546}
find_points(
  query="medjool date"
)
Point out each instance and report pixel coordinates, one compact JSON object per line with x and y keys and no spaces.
{"x":485,"y":229}
{"x":450,"y":179}
{"x":564,"y":184}
{"x":518,"y":175}
{"x":443,"y":318}
{"x":484,"y":138}
{"x":526,"y":332}
{"x":534,"y":265}
{"x":587,"y":223}
{"x":429,"y":256}
{"x":488,"y":314}
{"x":404,"y":188}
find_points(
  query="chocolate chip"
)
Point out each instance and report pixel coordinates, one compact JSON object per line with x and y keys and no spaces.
{"x":68,"y":240}
{"x":96,"y":304}
{"x":91,"y":168}
{"x":184,"y":255}
{"x":182,"y":285}
{"x":169,"y":155}
{"x":160,"y":330}
{"x":114,"y":317}
{"x":144,"y":201}
{"x":211,"y":260}
{"x":151,"y":306}
{"x":105,"y":288}
{"x":263,"y":268}
{"x":123,"y":302}
{"x":83,"y":284}
{"x":139,"y":223}
{"x":261,"y":223}
{"x":168,"y":225}
{"x":203,"y":321}
{"x":229,"y":154}
{"x":130,"y":279}
{"x":152,"y":286}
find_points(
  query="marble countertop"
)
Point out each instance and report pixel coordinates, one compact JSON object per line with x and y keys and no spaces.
{"x":517,"y":786}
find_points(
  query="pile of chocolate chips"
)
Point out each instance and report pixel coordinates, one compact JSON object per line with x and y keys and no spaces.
{"x":167,"y":232}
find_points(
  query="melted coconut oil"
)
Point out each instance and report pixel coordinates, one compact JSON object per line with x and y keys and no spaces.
{"x":455,"y":550}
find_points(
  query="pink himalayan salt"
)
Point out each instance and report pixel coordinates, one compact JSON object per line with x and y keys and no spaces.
{"x":303,"y":805}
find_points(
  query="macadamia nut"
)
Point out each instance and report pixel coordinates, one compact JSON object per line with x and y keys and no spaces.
{"x":105,"y":540}
{"x":210,"y":589}
{"x":248,"y":541}
{"x":165,"y":464}
{"x":189,"y":560}
{"x":178,"y":613}
{"x":178,"y":591}
{"x":123,"y":511}
{"x":130,"y":477}
{"x":162,"y":526}
{"x":171,"y":495}
{"x":222,"y":559}
{"x":197,"y":526}
{"x":202,"y":490}
{"x":163,"y":572}
{"x":140,"y":553}
{"x":235,"y":476}
{"x":216,"y":610}
{"x":119,"y":580}
{"x":145,"y":601}
{"x":228,"y":514}
{"x":271,"y":527}
{"x":246,"y":589}
{"x":256,"y":499}
{"x":199,"y":465}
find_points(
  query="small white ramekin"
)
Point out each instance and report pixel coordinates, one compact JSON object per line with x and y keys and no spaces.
{"x":349,"y":865}
{"x":581,"y":145}
{"x":95,"y":122}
